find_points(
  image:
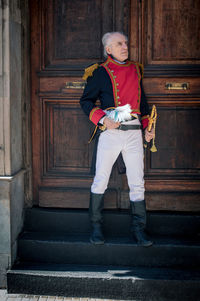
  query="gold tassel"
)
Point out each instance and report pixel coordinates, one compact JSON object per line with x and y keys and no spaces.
{"x":153,"y":149}
{"x":152,"y":123}
{"x":89,"y":71}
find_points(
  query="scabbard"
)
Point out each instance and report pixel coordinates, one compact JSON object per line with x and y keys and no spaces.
{"x":94,"y":154}
{"x":121,"y":165}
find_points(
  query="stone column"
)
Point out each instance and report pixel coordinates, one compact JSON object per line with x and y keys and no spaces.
{"x":12,"y":168}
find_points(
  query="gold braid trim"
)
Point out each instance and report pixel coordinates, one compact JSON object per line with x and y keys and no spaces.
{"x":141,"y":70}
{"x":101,"y":127}
{"x":93,"y":134}
{"x":89,"y":71}
{"x":144,"y":117}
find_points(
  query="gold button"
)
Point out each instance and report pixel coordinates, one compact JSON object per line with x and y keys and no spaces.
{"x":119,"y":102}
{"x":117,"y":84}
{"x":118,"y":97}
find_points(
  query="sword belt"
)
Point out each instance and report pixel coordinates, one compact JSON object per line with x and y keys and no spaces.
{"x":122,"y":127}
{"x":126,"y":127}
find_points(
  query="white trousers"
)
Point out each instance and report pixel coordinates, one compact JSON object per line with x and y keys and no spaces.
{"x":130,"y":143}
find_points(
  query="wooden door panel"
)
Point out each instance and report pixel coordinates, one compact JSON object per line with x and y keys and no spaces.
{"x":177,"y":143}
{"x":157,"y":87}
{"x":69,"y":197}
{"x":65,"y":149}
{"x":173,"y":32}
{"x":71,"y":32}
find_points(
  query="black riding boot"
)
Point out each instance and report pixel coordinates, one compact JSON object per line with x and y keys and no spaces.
{"x":138,"y":211}
{"x":95,"y":213}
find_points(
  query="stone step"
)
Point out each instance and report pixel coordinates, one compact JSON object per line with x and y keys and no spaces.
{"x":105,"y":282}
{"x":116,"y":223}
{"x":62,"y":248}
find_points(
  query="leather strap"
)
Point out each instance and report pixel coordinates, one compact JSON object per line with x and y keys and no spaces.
{"x":124,"y":127}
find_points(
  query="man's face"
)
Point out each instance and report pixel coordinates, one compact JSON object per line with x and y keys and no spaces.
{"x":118,"y":47}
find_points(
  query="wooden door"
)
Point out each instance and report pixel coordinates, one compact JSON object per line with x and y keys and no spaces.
{"x":66,"y":38}
{"x":171,"y":55}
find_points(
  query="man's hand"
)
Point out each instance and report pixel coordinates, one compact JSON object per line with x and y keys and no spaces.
{"x":110,"y":124}
{"x":149,"y":135}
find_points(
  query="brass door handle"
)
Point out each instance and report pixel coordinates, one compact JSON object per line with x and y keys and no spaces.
{"x":75,"y":85}
{"x":177,"y":86}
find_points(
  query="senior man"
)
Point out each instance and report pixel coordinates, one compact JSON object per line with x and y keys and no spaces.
{"x":117,"y":84}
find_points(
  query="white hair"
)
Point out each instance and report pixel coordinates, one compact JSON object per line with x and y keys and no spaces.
{"x":107,"y":38}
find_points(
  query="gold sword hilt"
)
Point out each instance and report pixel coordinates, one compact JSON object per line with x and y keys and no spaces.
{"x":152,"y":123}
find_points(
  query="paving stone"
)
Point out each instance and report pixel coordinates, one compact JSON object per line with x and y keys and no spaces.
{"x":19,"y":297}
{"x":13,"y":298}
{"x":43,"y":298}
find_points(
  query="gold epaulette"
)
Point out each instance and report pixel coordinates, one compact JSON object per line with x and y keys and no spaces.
{"x":89,"y":71}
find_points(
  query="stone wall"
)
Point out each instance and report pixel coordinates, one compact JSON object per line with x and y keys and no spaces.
{"x":14,"y":127}
{"x":26,"y":103}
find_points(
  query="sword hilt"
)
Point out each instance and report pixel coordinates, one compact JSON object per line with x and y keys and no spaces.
{"x":152,"y":123}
